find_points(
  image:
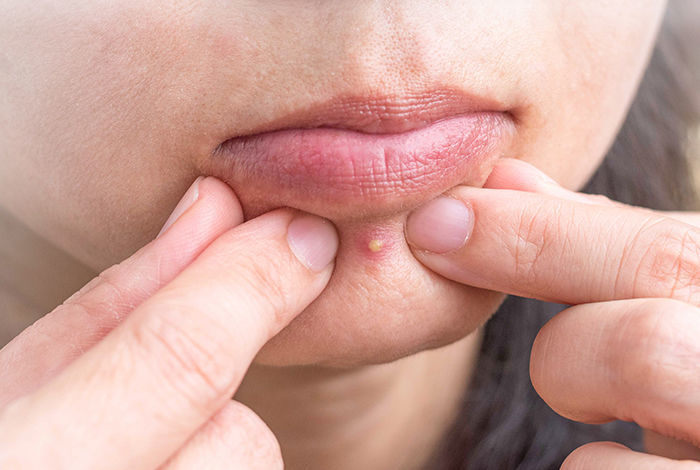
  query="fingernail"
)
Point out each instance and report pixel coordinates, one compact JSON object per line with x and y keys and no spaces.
{"x":442,"y":225}
{"x":185,"y":203}
{"x":313,"y":241}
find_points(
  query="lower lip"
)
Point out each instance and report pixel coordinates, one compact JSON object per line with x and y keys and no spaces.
{"x":346,"y":166}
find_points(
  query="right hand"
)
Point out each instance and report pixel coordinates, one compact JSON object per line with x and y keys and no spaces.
{"x":626,"y":347}
{"x":137,"y":369}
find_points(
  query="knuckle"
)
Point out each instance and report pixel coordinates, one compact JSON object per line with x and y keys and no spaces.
{"x":654,"y":353}
{"x":532,"y":244}
{"x":83,"y":290}
{"x":527,"y":245}
{"x":103,"y":295}
{"x":195,"y":361}
{"x":670,"y":263}
{"x":242,"y":429}
{"x":112,"y":293}
{"x":266,"y":279}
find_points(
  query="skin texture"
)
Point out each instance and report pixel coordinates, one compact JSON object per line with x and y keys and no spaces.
{"x":115,"y":116}
{"x":112,"y":112}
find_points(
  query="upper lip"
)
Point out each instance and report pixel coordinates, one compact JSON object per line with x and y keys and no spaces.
{"x":381,"y":114}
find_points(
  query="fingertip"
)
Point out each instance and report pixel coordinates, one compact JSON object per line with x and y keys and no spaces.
{"x":519,"y":175}
{"x":208,"y":205}
{"x":215,"y":211}
{"x":187,"y":201}
{"x":513,"y":173}
{"x":223,"y":199}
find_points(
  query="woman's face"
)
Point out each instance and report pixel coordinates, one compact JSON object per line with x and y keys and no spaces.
{"x":110,"y":110}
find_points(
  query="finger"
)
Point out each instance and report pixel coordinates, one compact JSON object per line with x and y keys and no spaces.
{"x":690,"y":218}
{"x":634,"y":360}
{"x":51,"y":343}
{"x":139,"y":394}
{"x":512,"y":173}
{"x":665,"y":446}
{"x":556,"y":249}
{"x":613,"y":456}
{"x":233,"y":438}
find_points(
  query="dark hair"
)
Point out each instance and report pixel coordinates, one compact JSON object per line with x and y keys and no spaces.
{"x":503,"y":424}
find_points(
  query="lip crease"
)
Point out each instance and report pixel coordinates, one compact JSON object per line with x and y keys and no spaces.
{"x":379,"y":155}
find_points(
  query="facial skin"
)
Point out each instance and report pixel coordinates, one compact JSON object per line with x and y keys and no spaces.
{"x":113,"y":109}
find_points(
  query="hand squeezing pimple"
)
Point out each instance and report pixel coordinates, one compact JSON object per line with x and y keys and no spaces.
{"x":632,"y":275}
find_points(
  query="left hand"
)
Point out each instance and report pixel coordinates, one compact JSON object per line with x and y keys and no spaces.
{"x":629,"y":348}
{"x":136,"y":370}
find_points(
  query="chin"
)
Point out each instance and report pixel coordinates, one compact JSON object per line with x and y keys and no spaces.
{"x":378,"y":307}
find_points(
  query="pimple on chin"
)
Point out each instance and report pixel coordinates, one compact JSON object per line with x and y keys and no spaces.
{"x":376,"y":245}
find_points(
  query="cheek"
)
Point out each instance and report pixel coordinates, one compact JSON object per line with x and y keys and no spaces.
{"x":595,"y":56}
{"x":95,"y":126}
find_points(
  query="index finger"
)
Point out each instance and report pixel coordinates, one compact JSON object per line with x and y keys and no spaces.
{"x":136,"y":397}
{"x":41,"y":351}
{"x":564,"y":250}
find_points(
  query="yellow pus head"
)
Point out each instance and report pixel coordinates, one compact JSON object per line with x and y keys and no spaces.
{"x":375,"y":245}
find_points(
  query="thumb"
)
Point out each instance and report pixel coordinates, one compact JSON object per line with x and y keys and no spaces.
{"x":208,"y":209}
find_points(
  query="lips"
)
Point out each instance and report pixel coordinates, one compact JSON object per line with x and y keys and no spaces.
{"x":373,"y":156}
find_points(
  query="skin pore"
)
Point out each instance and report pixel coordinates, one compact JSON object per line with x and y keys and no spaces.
{"x":108,"y":123}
